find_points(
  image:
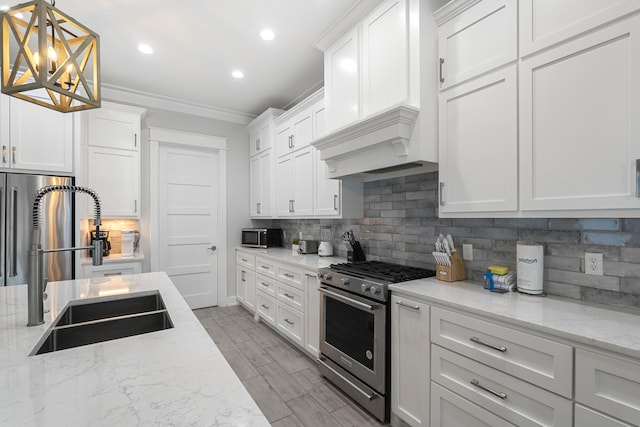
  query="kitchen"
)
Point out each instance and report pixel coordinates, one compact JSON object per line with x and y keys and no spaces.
{"x":402,"y":214}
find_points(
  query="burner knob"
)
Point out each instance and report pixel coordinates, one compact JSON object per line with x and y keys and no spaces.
{"x":375,"y":290}
{"x":365,"y":287}
{"x":326,"y":276}
{"x":344,"y":281}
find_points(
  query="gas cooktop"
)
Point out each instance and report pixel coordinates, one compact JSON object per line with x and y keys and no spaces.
{"x":384,"y":271}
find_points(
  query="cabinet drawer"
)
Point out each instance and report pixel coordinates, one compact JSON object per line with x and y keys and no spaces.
{"x":508,"y":397}
{"x":290,"y":276}
{"x":585,"y":417}
{"x":450,"y":410}
{"x":291,"y":296}
{"x":246,"y":260}
{"x":266,"y":307}
{"x":540,"y":361}
{"x":608,"y":384}
{"x":266,"y":284}
{"x":291,"y":323}
{"x":265,"y":266}
{"x":106,"y":270}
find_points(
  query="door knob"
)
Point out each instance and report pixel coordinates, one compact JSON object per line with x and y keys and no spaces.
{"x":212,"y":248}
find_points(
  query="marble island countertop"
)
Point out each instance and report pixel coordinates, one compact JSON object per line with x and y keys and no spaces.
{"x":606,"y":327}
{"x":171,"y":377}
{"x":313,"y":261}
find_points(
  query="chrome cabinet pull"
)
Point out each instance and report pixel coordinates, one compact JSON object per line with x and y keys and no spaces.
{"x":335,"y":202}
{"x":289,"y":321}
{"x":135,"y":205}
{"x":477,"y":340}
{"x":290,"y":276}
{"x":265,"y":267}
{"x":404,"y":304}
{"x":293,"y":205}
{"x":499,"y":394}
{"x":4,"y":154}
{"x":258,"y":144}
{"x":135,"y":139}
{"x":242,"y":276}
{"x":264,"y":284}
{"x":13,"y":155}
{"x":637,"y":177}
{"x":244,"y":260}
{"x":313,"y":276}
{"x":442,"y":194}
{"x":441,"y":74}
{"x":293,"y":141}
{"x":258,"y":207}
{"x":264,"y":306}
{"x":289,"y":296}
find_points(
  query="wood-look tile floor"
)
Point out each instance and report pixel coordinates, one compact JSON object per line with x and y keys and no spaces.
{"x":283,"y":381}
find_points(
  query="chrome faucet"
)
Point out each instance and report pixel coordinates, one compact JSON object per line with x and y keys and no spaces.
{"x":37,"y":285}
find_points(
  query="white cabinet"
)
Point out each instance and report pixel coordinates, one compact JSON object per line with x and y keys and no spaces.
{"x":295,"y":133}
{"x":342,"y":81}
{"x":579,"y":104}
{"x":312,"y":313}
{"x":294,"y":181}
{"x":246,"y":287}
{"x":482,"y":39}
{"x":410,"y":349}
{"x":113,"y":159}
{"x":112,"y":269}
{"x":479,"y":144}
{"x":260,"y":173}
{"x":585,"y":417}
{"x":35,"y":138}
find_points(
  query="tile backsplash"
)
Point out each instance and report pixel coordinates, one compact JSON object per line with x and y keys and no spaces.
{"x":400,"y":225}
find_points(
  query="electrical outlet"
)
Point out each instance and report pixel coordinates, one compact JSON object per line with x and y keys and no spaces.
{"x":467,"y":252}
{"x":593,"y":264}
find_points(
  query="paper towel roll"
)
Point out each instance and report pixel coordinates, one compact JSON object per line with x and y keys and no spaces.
{"x":530,"y":257}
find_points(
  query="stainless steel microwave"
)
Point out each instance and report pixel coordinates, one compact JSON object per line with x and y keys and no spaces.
{"x":261,"y":237}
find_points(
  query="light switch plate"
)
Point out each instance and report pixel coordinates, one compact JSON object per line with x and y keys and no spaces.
{"x":467,"y":252}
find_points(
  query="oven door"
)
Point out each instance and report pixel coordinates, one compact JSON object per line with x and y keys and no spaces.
{"x":353,"y":334}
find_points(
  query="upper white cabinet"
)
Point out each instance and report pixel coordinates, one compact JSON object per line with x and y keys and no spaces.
{"x":374,"y":65}
{"x":547,"y":22}
{"x":579,"y":133}
{"x":294,"y":180}
{"x":482,"y":39}
{"x":35,"y":138}
{"x":295,"y":133}
{"x":113,"y":159}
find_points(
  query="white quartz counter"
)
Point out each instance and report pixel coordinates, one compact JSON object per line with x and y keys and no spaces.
{"x":112,"y":258}
{"x":601,"y":326}
{"x":171,"y":377}
{"x":313,"y":261}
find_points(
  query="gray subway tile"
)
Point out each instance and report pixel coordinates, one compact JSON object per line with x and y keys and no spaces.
{"x":585,"y":280}
{"x":607,"y":239}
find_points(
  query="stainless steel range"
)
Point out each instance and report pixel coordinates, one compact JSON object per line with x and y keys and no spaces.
{"x":355,"y":328}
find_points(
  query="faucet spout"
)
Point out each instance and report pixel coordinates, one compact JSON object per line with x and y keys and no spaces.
{"x":36,"y":253}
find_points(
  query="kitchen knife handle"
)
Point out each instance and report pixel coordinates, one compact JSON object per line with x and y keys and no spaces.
{"x":440,"y":71}
{"x":442,"y":194}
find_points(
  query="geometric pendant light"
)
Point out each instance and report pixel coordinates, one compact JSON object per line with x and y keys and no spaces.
{"x":49,"y":58}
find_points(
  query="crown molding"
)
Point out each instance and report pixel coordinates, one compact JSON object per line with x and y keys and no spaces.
{"x":358,"y":10}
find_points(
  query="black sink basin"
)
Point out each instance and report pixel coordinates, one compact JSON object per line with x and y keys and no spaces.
{"x":97,"y":321}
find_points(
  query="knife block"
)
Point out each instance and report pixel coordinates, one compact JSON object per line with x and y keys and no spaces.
{"x":454,"y":272}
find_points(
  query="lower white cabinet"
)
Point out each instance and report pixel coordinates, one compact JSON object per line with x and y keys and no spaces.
{"x":290,"y":322}
{"x":246,"y":287}
{"x":312,"y":313}
{"x":410,"y":349}
{"x":112,"y":269}
{"x":266,"y":307}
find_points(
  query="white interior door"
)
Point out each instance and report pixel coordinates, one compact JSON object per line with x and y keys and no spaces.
{"x":188,"y":202}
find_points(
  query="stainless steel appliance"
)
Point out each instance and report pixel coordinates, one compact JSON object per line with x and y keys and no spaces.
{"x":261,"y":237}
{"x":16,"y":199}
{"x":355,"y":329}
{"x":106,"y":244}
{"x":308,"y":247}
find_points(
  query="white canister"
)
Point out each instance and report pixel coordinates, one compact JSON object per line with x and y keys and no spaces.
{"x":127,"y":239}
{"x":530,"y":258}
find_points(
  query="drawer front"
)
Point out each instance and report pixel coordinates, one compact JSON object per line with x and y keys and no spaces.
{"x":107,"y":270}
{"x":246,"y":260}
{"x":266,"y":284}
{"x":266,"y":307}
{"x":291,"y":296}
{"x":265,"y":266}
{"x":586,"y":417}
{"x":291,"y":323}
{"x":450,"y":410}
{"x":291,"y":276}
{"x":608,"y":384}
{"x":516,"y":401}
{"x":543,"y":362}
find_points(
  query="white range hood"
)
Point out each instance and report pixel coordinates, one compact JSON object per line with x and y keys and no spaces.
{"x":380,"y":146}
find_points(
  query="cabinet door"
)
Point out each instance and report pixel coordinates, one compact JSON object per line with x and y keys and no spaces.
{"x":255,"y":190}
{"x":327,"y":191}
{"x":479,"y":40}
{"x":246,"y":288}
{"x":385,"y":57}
{"x":302,"y":130}
{"x":579,"y":133}
{"x":312,"y":313}
{"x":410,"y":360}
{"x":40,"y":139}
{"x":115,"y":175}
{"x":259,"y":140}
{"x":479,"y":145}
{"x":284,"y":135}
{"x":260,"y":181}
{"x":241,"y":285}
{"x":319,"y":127}
{"x":114,"y":129}
{"x":342,"y":81}
{"x":284,"y":184}
{"x":585,"y":417}
{"x":547,"y":22}
{"x":302,"y":179}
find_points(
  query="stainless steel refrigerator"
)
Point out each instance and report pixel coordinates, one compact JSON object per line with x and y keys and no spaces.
{"x":56,"y":223}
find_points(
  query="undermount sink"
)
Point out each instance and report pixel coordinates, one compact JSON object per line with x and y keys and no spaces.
{"x":104,"y":320}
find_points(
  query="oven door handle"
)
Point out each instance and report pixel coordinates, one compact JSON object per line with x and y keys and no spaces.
{"x":349,"y":301}
{"x":345,"y":379}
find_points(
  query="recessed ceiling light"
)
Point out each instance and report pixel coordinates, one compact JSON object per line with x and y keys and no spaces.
{"x":238,"y":74}
{"x":145,"y":48}
{"x":267,"y":34}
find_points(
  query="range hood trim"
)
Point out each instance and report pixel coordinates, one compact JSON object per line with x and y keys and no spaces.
{"x":391,"y":128}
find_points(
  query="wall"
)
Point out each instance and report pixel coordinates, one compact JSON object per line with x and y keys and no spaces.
{"x":400,"y":225}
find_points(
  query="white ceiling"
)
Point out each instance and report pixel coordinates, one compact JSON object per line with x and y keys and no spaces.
{"x":198,"y":43}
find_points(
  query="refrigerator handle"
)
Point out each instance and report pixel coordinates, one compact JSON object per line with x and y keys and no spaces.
{"x":13,"y":232}
{"x":1,"y":237}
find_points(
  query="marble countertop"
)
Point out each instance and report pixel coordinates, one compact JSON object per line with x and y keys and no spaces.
{"x":283,"y":254}
{"x":605,"y":327}
{"x":171,"y":377}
